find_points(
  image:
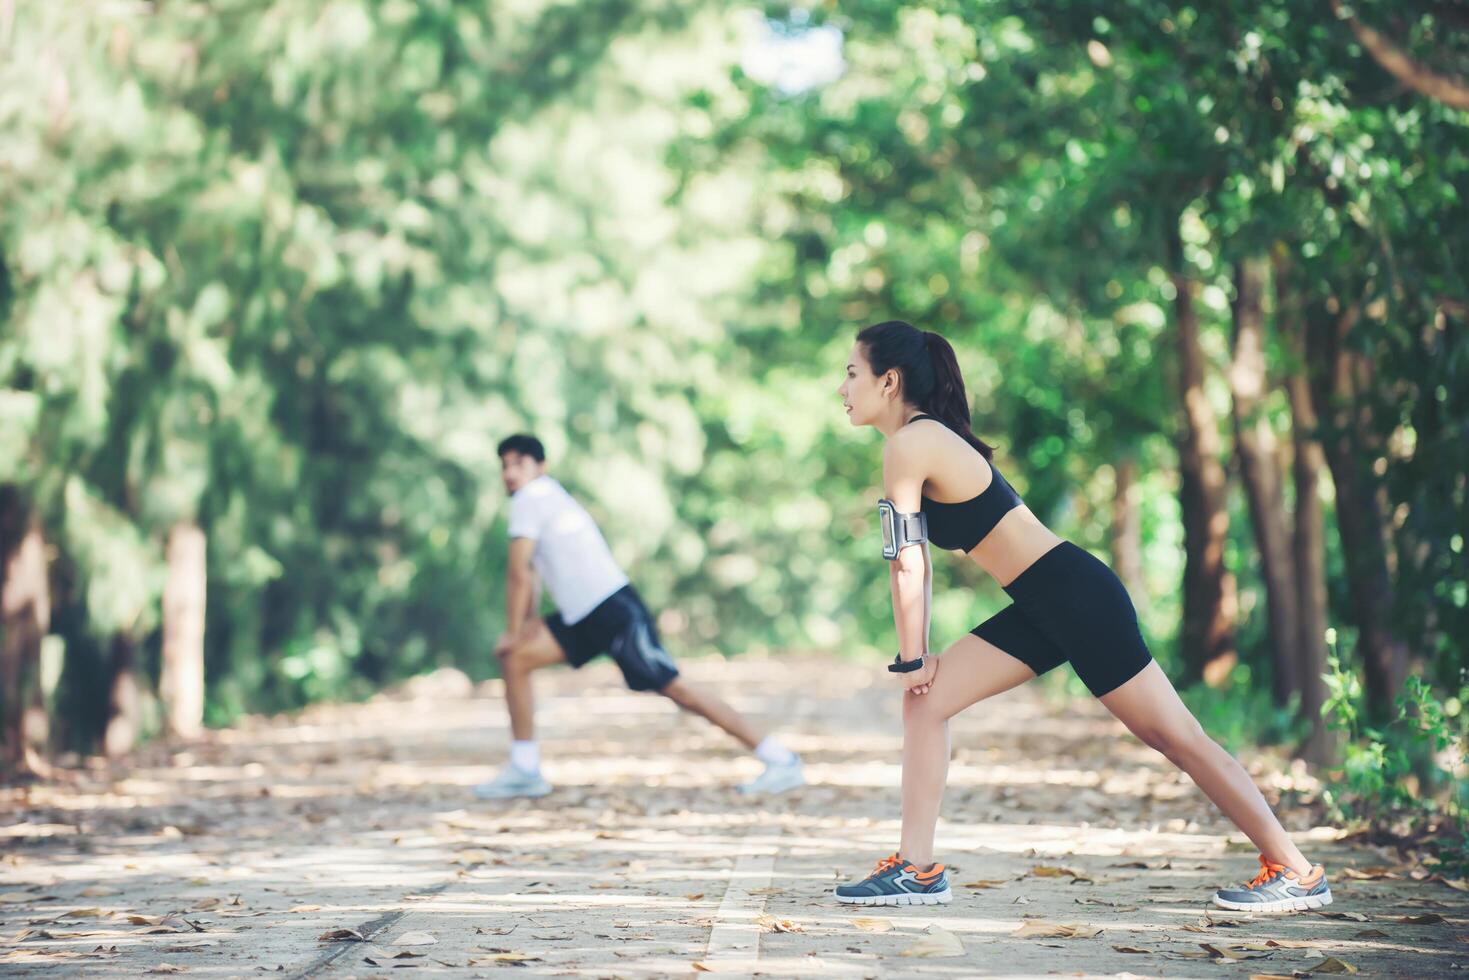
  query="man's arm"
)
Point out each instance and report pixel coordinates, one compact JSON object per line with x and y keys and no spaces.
{"x":533,"y":599}
{"x":520,"y":587}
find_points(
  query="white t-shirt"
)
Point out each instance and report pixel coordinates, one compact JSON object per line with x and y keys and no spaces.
{"x":571,"y":554}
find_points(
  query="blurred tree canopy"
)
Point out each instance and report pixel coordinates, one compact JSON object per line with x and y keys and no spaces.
{"x":276,"y":277}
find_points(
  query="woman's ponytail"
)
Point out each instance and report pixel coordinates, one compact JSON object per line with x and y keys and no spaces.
{"x":948,"y":403}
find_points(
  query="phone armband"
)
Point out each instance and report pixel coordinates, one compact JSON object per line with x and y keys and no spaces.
{"x":899,"y":530}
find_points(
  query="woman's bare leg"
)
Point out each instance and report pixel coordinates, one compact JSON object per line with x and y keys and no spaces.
{"x":969,"y":671}
{"x":1150,"y":708}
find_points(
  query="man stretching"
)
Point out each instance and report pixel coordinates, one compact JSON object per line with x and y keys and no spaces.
{"x":598,"y":612}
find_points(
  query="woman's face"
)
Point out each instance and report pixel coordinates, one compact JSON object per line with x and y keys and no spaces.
{"x":863,"y":393}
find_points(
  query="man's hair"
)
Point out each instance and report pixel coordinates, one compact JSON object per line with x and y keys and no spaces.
{"x":525,"y":445}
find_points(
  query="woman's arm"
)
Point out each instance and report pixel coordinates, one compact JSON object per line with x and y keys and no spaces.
{"x":910,"y":575}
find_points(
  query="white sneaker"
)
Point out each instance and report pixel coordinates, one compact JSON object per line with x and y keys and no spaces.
{"x":775,"y":779}
{"x":513,"y":782}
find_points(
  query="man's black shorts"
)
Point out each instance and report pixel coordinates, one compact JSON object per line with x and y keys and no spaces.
{"x":622,"y":626}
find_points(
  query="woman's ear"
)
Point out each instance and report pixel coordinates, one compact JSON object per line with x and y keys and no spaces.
{"x":890,"y":381}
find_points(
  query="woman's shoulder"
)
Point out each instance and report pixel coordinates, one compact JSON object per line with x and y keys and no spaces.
{"x":917,"y":441}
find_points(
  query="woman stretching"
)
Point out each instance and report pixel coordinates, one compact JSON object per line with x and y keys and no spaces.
{"x":940,"y":486}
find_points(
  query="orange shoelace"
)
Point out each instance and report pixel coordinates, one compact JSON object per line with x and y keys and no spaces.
{"x":1268,"y":869}
{"x":886,"y":864}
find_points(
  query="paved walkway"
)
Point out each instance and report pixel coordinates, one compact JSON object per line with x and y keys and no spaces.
{"x":1078,"y":852}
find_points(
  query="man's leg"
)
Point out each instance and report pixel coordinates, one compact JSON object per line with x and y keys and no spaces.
{"x":646,"y":666}
{"x":782,"y":766}
{"x":534,"y":649}
{"x":713,"y":708}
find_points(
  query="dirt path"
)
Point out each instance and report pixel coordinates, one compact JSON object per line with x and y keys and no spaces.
{"x":233,"y":858}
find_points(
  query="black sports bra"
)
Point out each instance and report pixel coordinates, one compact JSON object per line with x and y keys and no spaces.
{"x":961,"y":526}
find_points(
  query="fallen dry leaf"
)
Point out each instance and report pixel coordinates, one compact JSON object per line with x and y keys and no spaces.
{"x":1052,"y":871}
{"x":873,"y":925}
{"x":1132,"y":949}
{"x":171,"y":923}
{"x":1370,"y":874}
{"x":1349,"y":916}
{"x":770,"y":923}
{"x":68,"y":933}
{"x":17,"y":897}
{"x":1290,"y":944}
{"x":1332,"y":965}
{"x":304,"y":908}
{"x":1426,"y":919}
{"x":414,"y":939}
{"x":90,"y":913}
{"x":502,"y":958}
{"x":935,"y":942}
{"x":1055,"y":930}
{"x":986,"y":883}
{"x":1370,"y":934}
{"x":168,"y":968}
{"x":97,"y":891}
{"x":1233,"y":952}
{"x":341,"y":936}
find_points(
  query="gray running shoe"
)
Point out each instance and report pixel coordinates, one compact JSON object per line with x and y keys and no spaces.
{"x":775,"y":779}
{"x":513,"y":782}
{"x":1277,"y":889}
{"x":896,"y":882}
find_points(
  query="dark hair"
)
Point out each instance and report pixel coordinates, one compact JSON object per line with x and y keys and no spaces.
{"x":930,"y":373}
{"x":526,"y":445}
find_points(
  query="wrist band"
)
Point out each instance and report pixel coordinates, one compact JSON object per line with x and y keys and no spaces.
{"x":901,"y":666}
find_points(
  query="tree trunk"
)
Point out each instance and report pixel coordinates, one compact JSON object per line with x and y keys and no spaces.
{"x":1359,"y":513}
{"x":25,"y":617}
{"x":181,"y":682}
{"x":124,"y":702}
{"x":1126,"y":530}
{"x":1308,"y":542}
{"x":1209,"y":601}
{"x":1259,"y":458}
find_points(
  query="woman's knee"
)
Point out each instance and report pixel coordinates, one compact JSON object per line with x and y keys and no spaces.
{"x":1179,"y":741}
{"x":922,"y":709}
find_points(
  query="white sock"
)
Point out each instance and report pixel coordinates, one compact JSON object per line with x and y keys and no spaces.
{"x":771,"y":752}
{"x":525,"y":756}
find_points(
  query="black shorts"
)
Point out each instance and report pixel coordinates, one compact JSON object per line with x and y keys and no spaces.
{"x":622,"y":626}
{"x":1070,"y":606}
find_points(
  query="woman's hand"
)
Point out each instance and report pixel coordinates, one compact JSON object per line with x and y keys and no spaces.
{"x":919,"y":681}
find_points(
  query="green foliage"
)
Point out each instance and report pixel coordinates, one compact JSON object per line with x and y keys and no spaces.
{"x":1410,"y":775}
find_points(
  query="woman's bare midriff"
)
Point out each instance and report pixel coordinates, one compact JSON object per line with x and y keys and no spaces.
{"x":1013,"y":545}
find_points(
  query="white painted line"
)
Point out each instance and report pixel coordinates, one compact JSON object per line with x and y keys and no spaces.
{"x":734,"y":942}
